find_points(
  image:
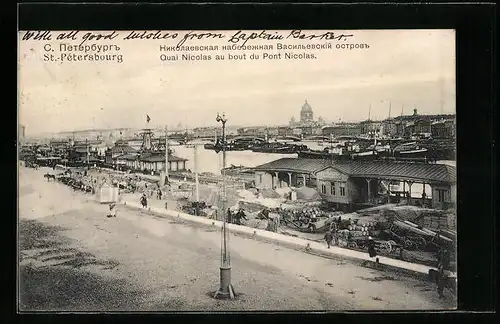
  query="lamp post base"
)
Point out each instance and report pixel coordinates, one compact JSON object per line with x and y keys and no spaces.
{"x":226,"y":290}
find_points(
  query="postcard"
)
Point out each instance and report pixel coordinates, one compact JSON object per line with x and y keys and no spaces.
{"x":236,"y":170}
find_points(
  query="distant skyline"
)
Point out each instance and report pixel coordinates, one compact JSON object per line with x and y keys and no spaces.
{"x":410,"y":68}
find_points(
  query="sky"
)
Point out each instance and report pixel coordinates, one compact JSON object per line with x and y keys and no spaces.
{"x":401,"y":69}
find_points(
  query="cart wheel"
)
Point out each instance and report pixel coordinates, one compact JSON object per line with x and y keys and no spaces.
{"x":386,"y":246}
{"x":408,"y":244}
{"x":352,"y":245}
{"x":342,"y":243}
{"x":392,"y":242}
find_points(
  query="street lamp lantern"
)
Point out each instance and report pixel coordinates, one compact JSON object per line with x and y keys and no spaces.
{"x":226,"y":290}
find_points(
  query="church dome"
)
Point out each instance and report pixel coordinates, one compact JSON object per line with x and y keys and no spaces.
{"x":306,"y":107}
{"x":306,"y":113}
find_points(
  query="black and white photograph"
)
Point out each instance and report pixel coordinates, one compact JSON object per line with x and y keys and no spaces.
{"x":237,"y":170}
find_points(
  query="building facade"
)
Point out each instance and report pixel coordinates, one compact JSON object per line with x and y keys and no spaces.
{"x":341,"y":129}
{"x":443,"y":129}
{"x":419,"y":126}
{"x":370,"y":127}
{"x":389,"y":127}
{"x":154,"y":163}
{"x":351,"y":183}
{"x":206,"y":132}
{"x":336,"y":187}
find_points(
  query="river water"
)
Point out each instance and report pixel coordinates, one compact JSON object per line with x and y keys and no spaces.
{"x":209,"y":161}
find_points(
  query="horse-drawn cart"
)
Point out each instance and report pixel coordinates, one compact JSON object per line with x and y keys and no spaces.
{"x":409,"y":235}
{"x":361,"y":243}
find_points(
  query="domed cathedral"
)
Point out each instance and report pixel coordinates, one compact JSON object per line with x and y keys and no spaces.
{"x":306,"y":114}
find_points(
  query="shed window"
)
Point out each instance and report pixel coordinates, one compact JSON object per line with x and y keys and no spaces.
{"x":332,"y":188}
{"x":342,"y":188}
{"x":441,"y":194}
{"x":260,"y":178}
{"x":323,"y":188}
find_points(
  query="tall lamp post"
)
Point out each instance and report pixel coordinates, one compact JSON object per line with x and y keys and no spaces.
{"x":226,"y":290}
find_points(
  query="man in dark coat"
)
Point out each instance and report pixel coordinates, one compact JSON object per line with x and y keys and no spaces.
{"x":144,"y":201}
{"x":239,"y":215}
{"x":441,"y":282}
{"x":371,"y":247}
{"x":329,"y":238}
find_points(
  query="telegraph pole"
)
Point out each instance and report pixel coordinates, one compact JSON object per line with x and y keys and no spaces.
{"x":226,"y":290}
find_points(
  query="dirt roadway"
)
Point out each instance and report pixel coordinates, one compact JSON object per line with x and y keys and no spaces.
{"x":74,"y":258}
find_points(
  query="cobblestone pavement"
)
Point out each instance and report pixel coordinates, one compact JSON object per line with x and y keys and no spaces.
{"x":72,"y":257}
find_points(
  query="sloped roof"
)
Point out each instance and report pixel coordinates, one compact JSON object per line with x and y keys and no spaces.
{"x":377,"y":169}
{"x":80,"y":149}
{"x":294,"y":165}
{"x":161,"y":158}
{"x":127,"y":157}
{"x":88,"y":142}
{"x":91,"y":158}
{"x":122,"y":149}
{"x":404,"y":170}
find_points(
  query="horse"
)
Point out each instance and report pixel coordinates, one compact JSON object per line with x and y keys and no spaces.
{"x":49,"y":176}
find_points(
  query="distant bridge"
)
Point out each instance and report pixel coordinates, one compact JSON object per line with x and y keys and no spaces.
{"x":290,"y":138}
{"x":317,"y":138}
{"x":247,"y":137}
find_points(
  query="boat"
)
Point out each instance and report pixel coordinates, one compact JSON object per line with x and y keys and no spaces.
{"x":415,"y":153}
{"x":411,"y":150}
{"x":280,"y":148}
{"x":312,"y":154}
{"x":365,"y":155}
{"x":209,"y":146}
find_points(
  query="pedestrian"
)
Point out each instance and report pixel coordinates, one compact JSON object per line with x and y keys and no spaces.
{"x":445,"y":260}
{"x":239,"y":215}
{"x":371,"y":249}
{"x":158,"y":194}
{"x":441,"y":281}
{"x":328,"y":238}
{"x":144,"y":201}
{"x":166,"y":205}
{"x":112,"y":210}
{"x":229,"y":218}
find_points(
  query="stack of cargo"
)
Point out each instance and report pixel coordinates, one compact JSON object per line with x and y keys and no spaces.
{"x":434,"y":220}
{"x":357,"y":227}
